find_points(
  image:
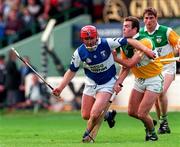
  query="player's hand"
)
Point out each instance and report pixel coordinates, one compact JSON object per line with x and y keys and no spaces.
{"x":56,"y":92}
{"x":150,"y":54}
{"x":117,"y":87}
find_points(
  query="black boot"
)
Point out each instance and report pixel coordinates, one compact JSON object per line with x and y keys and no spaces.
{"x":110,"y":118}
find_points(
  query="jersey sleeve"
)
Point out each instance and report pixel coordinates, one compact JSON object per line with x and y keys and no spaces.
{"x":75,"y":61}
{"x":147,"y":42}
{"x":123,"y":55}
{"x":116,"y":42}
{"x":174,"y":39}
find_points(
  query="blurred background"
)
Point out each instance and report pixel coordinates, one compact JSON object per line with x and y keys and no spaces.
{"x":22,"y":26}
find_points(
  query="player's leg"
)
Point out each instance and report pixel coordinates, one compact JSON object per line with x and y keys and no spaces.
{"x":164,"y":127}
{"x":97,"y":126}
{"x":86,"y":106}
{"x":134,"y":102}
{"x":143,"y":114}
{"x":108,"y":87}
{"x":101,"y":102}
{"x":133,"y":106}
{"x":158,"y":109}
{"x":136,"y":98}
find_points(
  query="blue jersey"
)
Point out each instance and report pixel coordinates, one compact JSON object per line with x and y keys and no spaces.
{"x":98,"y":64}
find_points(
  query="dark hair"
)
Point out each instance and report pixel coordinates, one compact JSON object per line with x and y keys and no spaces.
{"x":150,"y":11}
{"x":134,"y":20}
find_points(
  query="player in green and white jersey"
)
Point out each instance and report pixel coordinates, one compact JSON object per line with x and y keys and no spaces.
{"x":167,"y":42}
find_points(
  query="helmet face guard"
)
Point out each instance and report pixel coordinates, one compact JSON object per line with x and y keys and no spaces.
{"x":89,"y":37}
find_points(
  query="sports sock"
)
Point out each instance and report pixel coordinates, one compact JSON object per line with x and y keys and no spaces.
{"x":86,"y":133}
{"x":106,"y":115}
{"x":163,"y":118}
{"x":152,"y":131}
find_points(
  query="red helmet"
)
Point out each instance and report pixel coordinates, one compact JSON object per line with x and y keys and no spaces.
{"x":89,"y":37}
{"x":88,"y":31}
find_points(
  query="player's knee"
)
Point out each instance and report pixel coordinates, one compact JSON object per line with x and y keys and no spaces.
{"x":85,"y":116}
{"x":162,"y":96}
{"x":141,"y":115}
{"x":132,"y":113}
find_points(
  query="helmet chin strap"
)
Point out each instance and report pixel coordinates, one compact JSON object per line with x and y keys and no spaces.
{"x":92,"y":48}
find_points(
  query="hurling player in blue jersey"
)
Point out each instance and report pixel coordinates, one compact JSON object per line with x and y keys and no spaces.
{"x":99,"y":68}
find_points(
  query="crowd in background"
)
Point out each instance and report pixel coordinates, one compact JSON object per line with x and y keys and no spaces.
{"x":12,"y":86}
{"x":22,"y":18}
{"x":15,"y":94}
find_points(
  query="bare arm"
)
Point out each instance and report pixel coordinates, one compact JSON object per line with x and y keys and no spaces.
{"x":138,"y":45}
{"x":128,"y":62}
{"x":122,"y":75}
{"x":68,"y":76}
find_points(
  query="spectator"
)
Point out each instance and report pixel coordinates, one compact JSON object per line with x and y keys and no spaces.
{"x":2,"y":6}
{"x":2,"y":81}
{"x":13,"y":26}
{"x":29,"y":21}
{"x":50,"y":9}
{"x":24,"y":71}
{"x":12,"y":82}
{"x":34,"y":8}
{"x":2,"y":26}
{"x":5,"y":7}
{"x":37,"y":96}
{"x":2,"y":30}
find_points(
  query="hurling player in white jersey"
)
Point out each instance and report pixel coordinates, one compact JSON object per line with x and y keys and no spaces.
{"x":99,"y":68}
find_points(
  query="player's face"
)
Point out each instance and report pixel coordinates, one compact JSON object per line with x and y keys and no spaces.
{"x":128,"y":31}
{"x":150,"y":21}
{"x":90,"y":43}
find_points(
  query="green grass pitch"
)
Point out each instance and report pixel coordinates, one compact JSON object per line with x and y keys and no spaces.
{"x":65,"y":129}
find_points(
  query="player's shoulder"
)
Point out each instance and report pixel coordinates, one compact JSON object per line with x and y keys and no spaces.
{"x":141,"y":36}
{"x":144,"y":39}
{"x":142,"y":30}
{"x":103,"y":40}
{"x":164,"y":28}
{"x":81,"y":50}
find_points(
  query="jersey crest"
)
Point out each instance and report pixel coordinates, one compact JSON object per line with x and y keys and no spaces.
{"x":158,"y":39}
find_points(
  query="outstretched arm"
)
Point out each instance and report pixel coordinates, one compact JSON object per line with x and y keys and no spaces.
{"x":128,"y":62}
{"x":138,"y":45}
{"x":68,"y":76}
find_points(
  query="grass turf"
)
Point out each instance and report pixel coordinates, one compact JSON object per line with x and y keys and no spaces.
{"x":45,"y":129}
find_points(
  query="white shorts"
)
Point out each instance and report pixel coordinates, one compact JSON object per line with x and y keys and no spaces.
{"x":169,"y":69}
{"x":154,"y":84}
{"x":91,"y":88}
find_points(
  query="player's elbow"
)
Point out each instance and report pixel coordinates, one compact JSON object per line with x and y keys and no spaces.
{"x":132,"y":113}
